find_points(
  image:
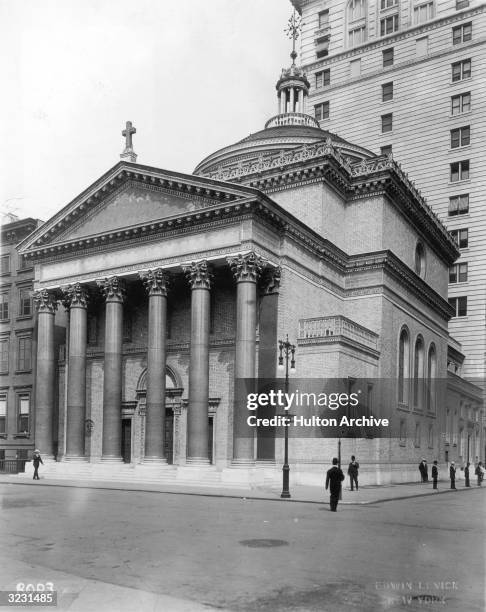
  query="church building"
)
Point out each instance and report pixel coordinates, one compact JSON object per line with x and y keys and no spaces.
{"x":178,"y":285}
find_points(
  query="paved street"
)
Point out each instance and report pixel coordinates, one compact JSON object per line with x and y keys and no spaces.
{"x":138,"y":551}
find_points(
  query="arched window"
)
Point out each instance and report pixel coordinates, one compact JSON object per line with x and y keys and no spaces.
{"x":356,"y":20}
{"x":418,"y":373}
{"x":420,"y":259}
{"x":431,"y":378}
{"x":403,"y":366}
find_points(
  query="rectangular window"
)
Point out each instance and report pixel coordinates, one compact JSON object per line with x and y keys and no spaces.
{"x":461,"y":70}
{"x":322,"y":50}
{"x":23,"y":413}
{"x":460,"y":137}
{"x":356,"y":9}
{"x":458,"y":205}
{"x":355,"y":68}
{"x":461,"y":103}
{"x":3,"y":412}
{"x":423,"y":13}
{"x":323,"y":19}
{"x":321,"y":111}
{"x":25,"y":302}
{"x":461,"y":236}
{"x":387,"y":123}
{"x":4,"y":345}
{"x":388,"y":57}
{"x":459,"y":171}
{"x":386,"y":150}
{"x":24,"y":354}
{"x":323,"y":78}
{"x":459,"y":304}
{"x":3,"y":306}
{"x":462,"y":33}
{"x":422,"y":46}
{"x":388,"y":4}
{"x":357,"y":36}
{"x":388,"y":25}
{"x":387,"y":92}
{"x":458,"y":273}
{"x":5,"y":264}
{"x":461,"y":4}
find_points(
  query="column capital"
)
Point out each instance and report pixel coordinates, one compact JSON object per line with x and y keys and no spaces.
{"x":45,"y":301}
{"x":113,"y":289}
{"x":247,"y":267}
{"x":75,"y":296}
{"x":198,"y":274}
{"x":270,"y":280}
{"x":155,"y":281}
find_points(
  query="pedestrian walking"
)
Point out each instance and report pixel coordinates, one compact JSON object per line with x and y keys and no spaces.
{"x":424,"y":472}
{"x":37,"y":460}
{"x":334,"y":479}
{"x":353,"y":472}
{"x":479,"y":473}
{"x":452,"y":474}
{"x":435,"y":475}
{"x":466,"y":475}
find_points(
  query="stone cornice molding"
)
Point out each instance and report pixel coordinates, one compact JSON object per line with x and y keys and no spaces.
{"x":198,"y":274}
{"x":113,"y":289}
{"x":270,"y":281}
{"x":247,"y":267}
{"x":45,"y":301}
{"x":75,"y":296}
{"x":155,"y":282}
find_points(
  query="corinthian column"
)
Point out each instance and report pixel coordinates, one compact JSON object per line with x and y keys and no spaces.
{"x":46,"y":305}
{"x":113,"y":290}
{"x":197,"y":415}
{"x":246,"y":270}
{"x":155,"y":282}
{"x":76,"y":299}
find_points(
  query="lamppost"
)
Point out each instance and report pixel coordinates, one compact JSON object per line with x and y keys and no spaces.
{"x":287,"y":352}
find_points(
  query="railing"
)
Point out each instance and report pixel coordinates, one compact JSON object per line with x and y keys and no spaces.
{"x":292,"y":119}
{"x":325,"y":327}
{"x":12,"y":466}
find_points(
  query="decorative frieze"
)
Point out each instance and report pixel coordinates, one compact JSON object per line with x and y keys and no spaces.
{"x":45,"y":301}
{"x":113,"y":289}
{"x":270,"y":281}
{"x":155,"y":282}
{"x":75,"y":296}
{"x":198,"y":274}
{"x":246,"y":267}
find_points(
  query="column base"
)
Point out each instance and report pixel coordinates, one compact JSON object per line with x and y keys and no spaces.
{"x":197,"y":461}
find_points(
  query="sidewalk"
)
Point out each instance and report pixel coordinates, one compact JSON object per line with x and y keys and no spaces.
{"x":299,"y":493}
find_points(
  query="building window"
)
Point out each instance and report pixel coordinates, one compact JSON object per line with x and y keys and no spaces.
{"x":418,"y":372}
{"x":459,"y":305}
{"x":323,"y":78}
{"x":4,"y":346}
{"x":387,"y":123}
{"x":388,"y":25}
{"x":403,"y":366}
{"x":3,"y":306}
{"x":323,"y":19}
{"x":423,"y":13}
{"x":355,"y":68}
{"x":461,"y":70}
{"x":461,"y":236}
{"x":5,"y":264}
{"x":458,"y":205}
{"x":24,"y":354}
{"x":322,"y":47}
{"x":461,"y":4}
{"x":23,"y":413}
{"x":458,"y":273}
{"x":422,"y":46}
{"x":431,"y":377}
{"x":321,"y":111}
{"x":3,"y":412}
{"x":356,"y":10}
{"x":460,"y":137}
{"x":388,"y":57}
{"x":357,"y":36}
{"x":462,"y":33}
{"x":461,"y":103}
{"x":25,"y":302}
{"x":420,"y":259}
{"x":385,"y":4}
{"x":459,"y":171}
{"x":387,"y":92}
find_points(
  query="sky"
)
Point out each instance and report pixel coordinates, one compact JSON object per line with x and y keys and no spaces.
{"x":192,"y":75}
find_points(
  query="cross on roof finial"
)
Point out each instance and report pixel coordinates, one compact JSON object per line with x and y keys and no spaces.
{"x":129,"y":154}
{"x":292,"y":30}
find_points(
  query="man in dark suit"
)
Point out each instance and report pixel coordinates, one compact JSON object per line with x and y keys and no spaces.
{"x":452,"y":474}
{"x":435,"y":474}
{"x":334,"y":479}
{"x":353,"y":472}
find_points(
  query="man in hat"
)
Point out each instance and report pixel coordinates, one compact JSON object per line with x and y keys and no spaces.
{"x":452,"y":474}
{"x":334,"y":479}
{"x":353,"y":472}
{"x":435,"y":475}
{"x":424,"y":473}
{"x":36,"y":460}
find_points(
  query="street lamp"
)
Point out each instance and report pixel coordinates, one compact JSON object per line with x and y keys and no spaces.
{"x":287,"y":353}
